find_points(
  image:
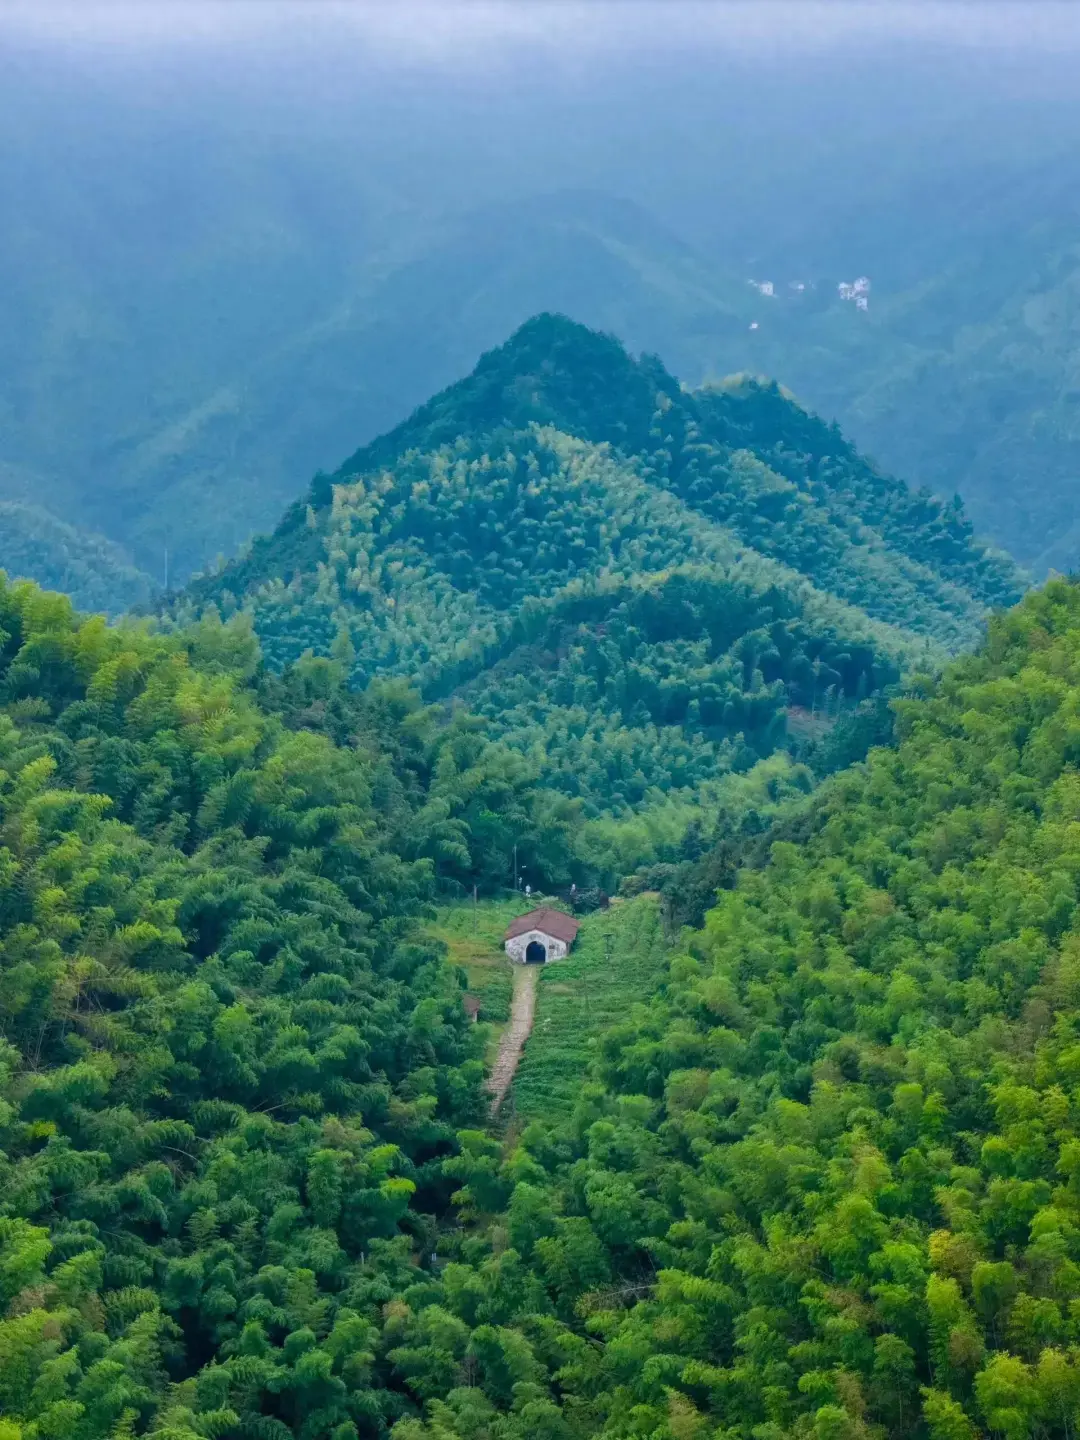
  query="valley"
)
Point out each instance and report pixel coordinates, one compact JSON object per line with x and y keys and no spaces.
{"x":245,"y":1108}
{"x":448,"y":472}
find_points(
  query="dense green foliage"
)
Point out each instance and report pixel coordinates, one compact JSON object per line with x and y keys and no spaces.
{"x":210,"y":1013}
{"x":820,"y":1185}
{"x":823,"y":1184}
{"x":231,"y":1065}
{"x":630,"y":583}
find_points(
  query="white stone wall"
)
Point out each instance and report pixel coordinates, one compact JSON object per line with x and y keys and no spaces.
{"x":516,"y":948}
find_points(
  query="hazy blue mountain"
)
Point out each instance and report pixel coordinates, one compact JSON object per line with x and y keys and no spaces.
{"x":211,"y":290}
{"x":228,"y":429}
{"x":93,"y":570}
{"x":962,"y":373}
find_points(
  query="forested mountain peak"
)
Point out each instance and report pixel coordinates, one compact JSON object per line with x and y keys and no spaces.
{"x":554,"y":371}
{"x":551,"y":371}
{"x":581,"y":382}
{"x":638,"y":586}
{"x":208,"y":400}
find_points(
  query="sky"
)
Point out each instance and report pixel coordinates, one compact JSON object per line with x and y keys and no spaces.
{"x":479,"y":31}
{"x":463,"y":102}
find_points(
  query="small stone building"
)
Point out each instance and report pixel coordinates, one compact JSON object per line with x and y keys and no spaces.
{"x":541,"y":935}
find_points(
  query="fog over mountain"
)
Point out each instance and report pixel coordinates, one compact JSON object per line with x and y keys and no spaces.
{"x":240,"y":240}
{"x":629,"y":433}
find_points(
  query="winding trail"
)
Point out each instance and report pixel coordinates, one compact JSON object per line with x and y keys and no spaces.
{"x":512,"y":1042}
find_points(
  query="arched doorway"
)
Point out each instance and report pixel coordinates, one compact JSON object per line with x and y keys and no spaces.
{"x":535,"y":954}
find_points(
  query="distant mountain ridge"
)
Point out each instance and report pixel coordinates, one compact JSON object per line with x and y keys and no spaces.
{"x":203,"y":446}
{"x":193,"y":445}
{"x":91,"y":569}
{"x":570,"y":534}
{"x":962,"y":374}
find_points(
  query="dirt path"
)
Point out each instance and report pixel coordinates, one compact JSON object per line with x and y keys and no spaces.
{"x":522,"y":1008}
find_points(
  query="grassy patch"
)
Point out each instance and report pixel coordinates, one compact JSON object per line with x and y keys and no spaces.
{"x":473,"y":935}
{"x":619,"y":958}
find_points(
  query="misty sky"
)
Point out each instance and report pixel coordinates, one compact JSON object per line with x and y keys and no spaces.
{"x":448,"y":106}
{"x":474,"y":31}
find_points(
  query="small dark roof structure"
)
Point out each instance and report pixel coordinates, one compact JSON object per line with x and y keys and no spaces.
{"x":550,"y":922}
{"x":472,"y":1005}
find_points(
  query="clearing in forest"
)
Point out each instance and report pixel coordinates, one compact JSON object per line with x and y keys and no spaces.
{"x":620,"y":959}
{"x":539,"y":1057}
{"x":473,"y":936}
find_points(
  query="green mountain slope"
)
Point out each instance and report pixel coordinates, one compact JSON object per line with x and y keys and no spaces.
{"x":92,"y":570}
{"x":820,"y":1185}
{"x":577,"y":547}
{"x":195,"y":1006}
{"x":825,"y":1183}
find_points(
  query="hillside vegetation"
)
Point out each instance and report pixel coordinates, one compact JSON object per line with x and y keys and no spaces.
{"x":618,"y":961}
{"x":232,"y":1059}
{"x":211,"y":1008}
{"x":824,"y":1184}
{"x":819,"y":1184}
{"x":629,"y":583}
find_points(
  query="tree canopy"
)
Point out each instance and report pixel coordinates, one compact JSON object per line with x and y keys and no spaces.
{"x":818,"y":1185}
{"x":635,"y":585}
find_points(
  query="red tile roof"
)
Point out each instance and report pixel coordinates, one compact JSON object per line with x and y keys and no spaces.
{"x":549,"y":922}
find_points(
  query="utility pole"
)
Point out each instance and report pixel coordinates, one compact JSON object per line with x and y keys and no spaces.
{"x":474,"y":915}
{"x":515,"y":868}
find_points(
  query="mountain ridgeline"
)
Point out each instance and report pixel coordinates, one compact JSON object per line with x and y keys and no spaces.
{"x":206,"y":398}
{"x":639,"y":586}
